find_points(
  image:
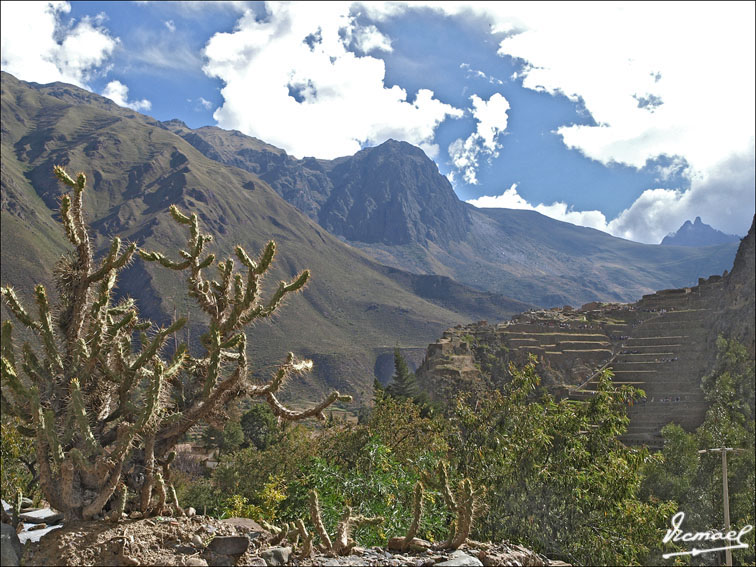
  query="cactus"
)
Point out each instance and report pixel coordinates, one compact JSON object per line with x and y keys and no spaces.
{"x":417,"y":511}
{"x":97,"y":405}
{"x":465,"y":505}
{"x":342,"y":543}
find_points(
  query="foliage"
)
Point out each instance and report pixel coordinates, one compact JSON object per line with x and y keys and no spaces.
{"x":378,"y":486}
{"x":259,"y":427}
{"x":227,"y":439}
{"x":17,"y":466}
{"x":91,"y":397}
{"x":558,"y":479}
{"x":693,"y":481}
{"x":247,"y":471}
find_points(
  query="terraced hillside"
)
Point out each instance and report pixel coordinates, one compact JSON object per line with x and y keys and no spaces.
{"x":663,"y":344}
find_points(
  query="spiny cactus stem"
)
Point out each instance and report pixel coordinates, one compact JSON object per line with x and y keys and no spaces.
{"x":306,"y":538}
{"x":68,"y":223}
{"x":291,"y":415}
{"x":161,"y":494}
{"x":46,"y":329}
{"x":344,"y":543}
{"x":6,"y":345}
{"x":11,"y":378}
{"x":9,"y":294}
{"x":445,"y":489}
{"x":82,"y":421}
{"x":417,"y":511}
{"x":316,"y":517}
{"x":178,"y":216}
{"x":32,"y":367}
{"x":154,"y":346}
{"x":266,"y":258}
{"x":52,"y":437}
{"x":215,"y":357}
{"x":466,"y":503}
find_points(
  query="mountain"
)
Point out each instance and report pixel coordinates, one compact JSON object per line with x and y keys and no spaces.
{"x":391,"y":202}
{"x":348,"y":319}
{"x":698,"y":233}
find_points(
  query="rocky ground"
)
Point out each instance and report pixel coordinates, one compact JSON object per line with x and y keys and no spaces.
{"x":201,"y":540}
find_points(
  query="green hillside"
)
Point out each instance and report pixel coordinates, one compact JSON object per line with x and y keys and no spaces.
{"x":354,"y":309}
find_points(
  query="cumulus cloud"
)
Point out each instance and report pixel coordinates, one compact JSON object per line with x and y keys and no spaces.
{"x":491,"y":117}
{"x":290,"y":79}
{"x":119,"y":94}
{"x":657,"y":80}
{"x":723,"y":197}
{"x":511,"y":199}
{"x":38,"y":46}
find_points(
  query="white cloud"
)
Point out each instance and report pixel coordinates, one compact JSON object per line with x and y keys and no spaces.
{"x":491,"y":117}
{"x":369,"y":38}
{"x":723,"y":198}
{"x":658,"y":78}
{"x":206,"y":104}
{"x":37,"y":46}
{"x":170,"y":25}
{"x":119,"y":94}
{"x":291,"y":81}
{"x":511,"y":199}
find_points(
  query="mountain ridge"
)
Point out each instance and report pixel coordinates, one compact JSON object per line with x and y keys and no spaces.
{"x":516,"y":253}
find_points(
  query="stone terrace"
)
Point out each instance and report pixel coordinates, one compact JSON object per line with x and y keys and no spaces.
{"x":661,"y":344}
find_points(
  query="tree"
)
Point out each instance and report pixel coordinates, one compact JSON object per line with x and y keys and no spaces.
{"x":403,"y":383}
{"x":98,"y":406}
{"x":259,"y":426}
{"x":228,"y":439}
{"x":558,"y":478}
{"x":693,"y":481}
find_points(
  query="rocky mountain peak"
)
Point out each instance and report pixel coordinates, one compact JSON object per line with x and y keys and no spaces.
{"x":697,"y":233}
{"x":392,"y":194}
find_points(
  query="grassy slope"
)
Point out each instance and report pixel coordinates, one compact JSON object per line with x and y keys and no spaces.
{"x":352,"y":310}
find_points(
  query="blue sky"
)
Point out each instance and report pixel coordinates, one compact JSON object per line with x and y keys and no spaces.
{"x":617,"y":116}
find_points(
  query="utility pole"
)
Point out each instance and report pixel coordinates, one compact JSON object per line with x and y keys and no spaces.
{"x":725,"y":493}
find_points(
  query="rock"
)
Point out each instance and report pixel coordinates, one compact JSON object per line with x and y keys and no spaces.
{"x":246,"y":523}
{"x":276,"y":556}
{"x":41,"y":526}
{"x":460,"y":559}
{"x":26,"y":503}
{"x":195,"y":562}
{"x":417,"y":544}
{"x":127,"y":561}
{"x":229,"y":545}
{"x":218,"y":559}
{"x":197,"y":540}
{"x":10,"y":546}
{"x":190,"y":512}
{"x":256,"y":562}
{"x":135,"y":515}
{"x":41,"y":516}
{"x":185,"y":550}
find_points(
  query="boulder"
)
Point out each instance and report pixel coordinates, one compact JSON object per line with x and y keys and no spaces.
{"x":276,"y":556}
{"x":460,"y":559}
{"x":229,"y":545}
{"x":10,"y":546}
